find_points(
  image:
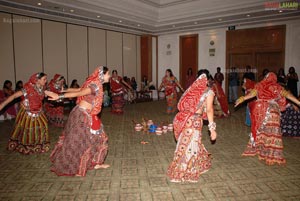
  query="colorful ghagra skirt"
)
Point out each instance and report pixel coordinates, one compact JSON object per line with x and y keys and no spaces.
{"x":30,"y":134}
{"x":118,"y":103}
{"x":55,"y":114}
{"x":191,"y":159}
{"x":77,"y":149}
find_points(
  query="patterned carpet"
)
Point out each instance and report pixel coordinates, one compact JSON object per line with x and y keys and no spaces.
{"x":138,"y":171}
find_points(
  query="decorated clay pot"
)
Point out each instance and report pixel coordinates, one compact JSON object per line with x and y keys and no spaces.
{"x":149,"y":123}
{"x":138,"y":127}
{"x":170,"y":127}
{"x":158,"y":131}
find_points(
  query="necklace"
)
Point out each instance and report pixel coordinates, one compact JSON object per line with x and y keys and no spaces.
{"x":38,"y":89}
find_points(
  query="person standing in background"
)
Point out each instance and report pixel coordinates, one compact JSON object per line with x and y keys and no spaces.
{"x":219,"y":77}
{"x":292,"y":79}
{"x":249,"y":74}
{"x":190,"y":78}
{"x":233,"y":80}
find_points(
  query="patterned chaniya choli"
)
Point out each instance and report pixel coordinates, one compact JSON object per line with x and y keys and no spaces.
{"x":55,"y":110}
{"x":117,"y":94}
{"x":191,"y":159}
{"x":30,"y":134}
{"x":266,"y":136}
{"x":83,"y":143}
{"x":170,"y":84}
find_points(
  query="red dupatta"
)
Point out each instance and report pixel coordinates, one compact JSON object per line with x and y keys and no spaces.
{"x":268,"y":89}
{"x":52,"y":84}
{"x":189,"y":103}
{"x":95,"y":80}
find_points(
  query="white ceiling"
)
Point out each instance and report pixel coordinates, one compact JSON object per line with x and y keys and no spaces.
{"x":151,"y":16}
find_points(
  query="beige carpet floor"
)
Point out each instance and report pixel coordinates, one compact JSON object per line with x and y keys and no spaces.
{"x":138,"y":171}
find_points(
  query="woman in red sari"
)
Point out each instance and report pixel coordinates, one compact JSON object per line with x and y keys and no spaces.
{"x":220,"y":102}
{"x":83,"y":144}
{"x":30,"y":134}
{"x":117,"y":93}
{"x":170,"y":82}
{"x":55,"y":110}
{"x":265,"y":120}
{"x":191,"y":159}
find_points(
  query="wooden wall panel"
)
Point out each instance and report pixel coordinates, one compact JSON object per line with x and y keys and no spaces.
{"x":129,"y":55}
{"x":77,"y":53}
{"x":188,"y":56}
{"x":7,"y":67}
{"x":114,"y":51}
{"x":54,"y":48}
{"x":28,"y":46}
{"x":97,"y":48}
{"x":146,"y":56}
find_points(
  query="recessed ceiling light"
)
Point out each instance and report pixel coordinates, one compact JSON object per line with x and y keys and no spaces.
{"x":98,"y":16}
{"x":72,"y":10}
{"x":138,"y":25}
{"x":248,"y":15}
{"x":220,"y":19}
{"x":39,"y":4}
{"x":195,"y":22}
{"x":280,"y":11}
{"x":173,"y":26}
{"x":120,"y":21}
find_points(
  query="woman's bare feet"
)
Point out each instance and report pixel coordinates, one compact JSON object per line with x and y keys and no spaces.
{"x":104,"y":166}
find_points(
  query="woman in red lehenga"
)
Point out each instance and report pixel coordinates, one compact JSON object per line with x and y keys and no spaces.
{"x":55,"y":110}
{"x":220,"y":102}
{"x":170,"y":82}
{"x":191,"y":158}
{"x":30,"y":134}
{"x":265,"y":120}
{"x":117,"y":93}
{"x":83,"y":144}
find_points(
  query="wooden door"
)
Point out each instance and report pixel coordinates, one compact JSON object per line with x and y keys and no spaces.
{"x":188,"y":56}
{"x":272,"y":61}
{"x":240,"y":61}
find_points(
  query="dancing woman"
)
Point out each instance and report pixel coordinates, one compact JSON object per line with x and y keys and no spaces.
{"x":117,"y":93}
{"x":30,"y":134}
{"x":220,"y":101}
{"x":55,"y":110}
{"x":83,"y":143}
{"x":265,"y":120}
{"x":170,"y":82}
{"x":191,"y":158}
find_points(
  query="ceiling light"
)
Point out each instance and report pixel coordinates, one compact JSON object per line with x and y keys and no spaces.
{"x":220,"y":19}
{"x":98,"y":16}
{"x":174,"y":26}
{"x":195,"y":22}
{"x":72,"y":11}
{"x":39,"y":4}
{"x":138,"y":25}
{"x":248,"y":15}
{"x":280,"y":11}
{"x":120,"y":21}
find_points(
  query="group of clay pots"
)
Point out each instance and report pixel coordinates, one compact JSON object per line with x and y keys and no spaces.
{"x":152,"y":128}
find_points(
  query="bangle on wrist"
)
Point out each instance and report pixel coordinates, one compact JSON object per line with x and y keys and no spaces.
{"x":61,"y":97}
{"x":212,"y":126}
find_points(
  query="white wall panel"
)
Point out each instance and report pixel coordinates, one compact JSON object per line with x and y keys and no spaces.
{"x":97,"y":48}
{"x":114,"y":51}
{"x":6,"y":50}
{"x":129,"y":55}
{"x":77,"y":53}
{"x":28,"y":46}
{"x":54,"y":48}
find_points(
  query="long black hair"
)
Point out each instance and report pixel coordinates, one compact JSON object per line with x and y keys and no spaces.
{"x":170,"y":71}
{"x":5,"y":83}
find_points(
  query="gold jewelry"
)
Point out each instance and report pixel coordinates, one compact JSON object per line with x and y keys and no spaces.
{"x":284,"y":93}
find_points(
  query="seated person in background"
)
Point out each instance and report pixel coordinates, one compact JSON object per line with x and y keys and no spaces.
{"x":10,"y":109}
